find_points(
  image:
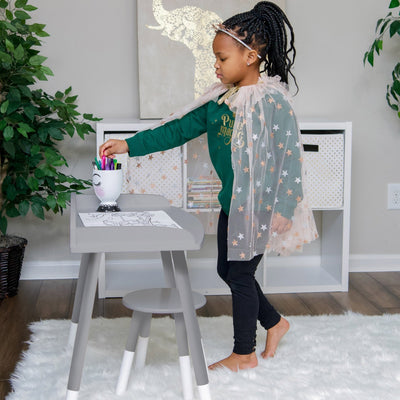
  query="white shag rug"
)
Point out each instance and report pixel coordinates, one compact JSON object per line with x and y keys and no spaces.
{"x":346,"y":357}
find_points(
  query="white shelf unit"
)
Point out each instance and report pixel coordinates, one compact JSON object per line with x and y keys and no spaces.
{"x":326,"y":269}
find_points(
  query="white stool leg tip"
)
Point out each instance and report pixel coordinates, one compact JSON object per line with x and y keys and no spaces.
{"x":204,"y":391}
{"x":186,"y":377}
{"x":72,"y":395}
{"x":124,"y":372}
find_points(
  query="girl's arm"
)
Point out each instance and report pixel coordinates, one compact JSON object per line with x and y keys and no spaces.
{"x":286,"y":139}
{"x":172,"y":134}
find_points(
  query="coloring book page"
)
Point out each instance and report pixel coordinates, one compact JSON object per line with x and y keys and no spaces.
{"x":131,"y":218}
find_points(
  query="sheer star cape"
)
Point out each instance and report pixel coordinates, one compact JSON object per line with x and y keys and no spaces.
{"x":266,"y":149}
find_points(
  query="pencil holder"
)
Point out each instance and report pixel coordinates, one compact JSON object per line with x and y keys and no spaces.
{"x":107,"y":185}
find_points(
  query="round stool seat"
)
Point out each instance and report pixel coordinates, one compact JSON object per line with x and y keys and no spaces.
{"x":159,"y":301}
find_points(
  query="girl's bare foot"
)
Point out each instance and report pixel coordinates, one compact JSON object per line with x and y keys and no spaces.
{"x":237,"y":361}
{"x":274,"y":335}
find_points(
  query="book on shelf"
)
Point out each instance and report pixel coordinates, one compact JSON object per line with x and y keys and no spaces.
{"x":203,"y":193}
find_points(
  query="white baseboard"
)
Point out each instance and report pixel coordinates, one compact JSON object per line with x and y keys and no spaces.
{"x":69,"y":269}
{"x":374,"y":262}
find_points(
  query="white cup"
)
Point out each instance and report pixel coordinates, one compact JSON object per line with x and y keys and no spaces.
{"x":107,"y":185}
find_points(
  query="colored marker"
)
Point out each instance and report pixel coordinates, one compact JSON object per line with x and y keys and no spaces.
{"x":103,"y":162}
{"x":115,"y":163}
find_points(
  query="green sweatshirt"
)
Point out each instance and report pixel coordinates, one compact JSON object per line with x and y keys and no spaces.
{"x":217,"y":120}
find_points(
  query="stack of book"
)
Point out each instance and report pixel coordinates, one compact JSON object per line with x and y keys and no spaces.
{"x":203,"y":193}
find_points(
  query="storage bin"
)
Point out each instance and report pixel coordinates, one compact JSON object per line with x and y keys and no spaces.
{"x":324,"y":166}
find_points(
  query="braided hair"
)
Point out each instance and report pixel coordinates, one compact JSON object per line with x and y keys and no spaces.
{"x":264,"y":29}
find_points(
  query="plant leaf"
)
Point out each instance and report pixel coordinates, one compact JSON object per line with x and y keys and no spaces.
{"x":19,"y":52}
{"x":37,"y":60}
{"x":394,"y":28}
{"x":46,"y":70}
{"x":30,"y":112}
{"x":38,"y":30}
{"x":9,"y":148}
{"x":37,"y":210}
{"x":43,"y":133}
{"x":3,"y":225}
{"x":14,"y":95}
{"x":29,"y":8}
{"x":51,"y":201}
{"x":69,"y":128}
{"x":11,"y":211}
{"x":71,"y":99}
{"x":5,"y":57}
{"x":394,"y":4}
{"x":63,"y":198}
{"x":9,"y":15}
{"x":8,"y":133}
{"x":9,"y":46}
{"x":33,"y":183}
{"x":22,"y":15}
{"x":56,"y":133}
{"x":24,"y":129}
{"x":21,"y":3}
{"x":11,"y":193}
{"x":396,"y":87}
{"x":23,"y":207}
{"x":4,"y":106}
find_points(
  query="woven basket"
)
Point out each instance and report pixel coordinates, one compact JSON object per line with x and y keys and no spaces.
{"x":10,"y":267}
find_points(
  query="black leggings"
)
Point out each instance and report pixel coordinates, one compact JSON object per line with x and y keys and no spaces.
{"x":248,"y":301}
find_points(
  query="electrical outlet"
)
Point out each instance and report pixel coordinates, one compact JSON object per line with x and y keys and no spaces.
{"x":393,"y":196}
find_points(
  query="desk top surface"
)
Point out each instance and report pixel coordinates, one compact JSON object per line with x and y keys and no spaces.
{"x":133,"y":238}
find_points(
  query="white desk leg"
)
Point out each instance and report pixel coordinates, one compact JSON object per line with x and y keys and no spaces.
{"x":82,"y":334}
{"x":192,"y":325}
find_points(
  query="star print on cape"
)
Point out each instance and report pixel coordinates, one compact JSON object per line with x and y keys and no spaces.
{"x":267,"y":163}
{"x":267,"y":158}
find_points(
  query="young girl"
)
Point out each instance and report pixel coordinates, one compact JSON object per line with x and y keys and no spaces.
{"x":263,"y":207}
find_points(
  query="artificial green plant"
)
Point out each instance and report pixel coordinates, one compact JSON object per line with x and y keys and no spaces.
{"x":32,"y":122}
{"x":391,"y":24}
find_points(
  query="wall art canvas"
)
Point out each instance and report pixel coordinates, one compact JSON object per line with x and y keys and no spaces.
{"x":175,"y":50}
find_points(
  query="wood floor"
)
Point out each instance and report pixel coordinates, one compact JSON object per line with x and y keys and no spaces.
{"x":369,"y":293}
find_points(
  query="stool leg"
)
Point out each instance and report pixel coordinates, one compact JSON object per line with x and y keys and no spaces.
{"x":184,"y":358}
{"x":142,"y":343}
{"x":129,"y":353}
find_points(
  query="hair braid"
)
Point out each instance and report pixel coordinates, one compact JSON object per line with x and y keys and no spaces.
{"x":265,"y":29}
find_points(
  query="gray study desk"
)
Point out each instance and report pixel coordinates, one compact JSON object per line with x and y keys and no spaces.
{"x":92,"y":242}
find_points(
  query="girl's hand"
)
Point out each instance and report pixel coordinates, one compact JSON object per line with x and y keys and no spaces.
{"x":280,"y":224}
{"x":113,"y":146}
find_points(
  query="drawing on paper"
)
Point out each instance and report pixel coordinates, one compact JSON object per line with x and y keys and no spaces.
{"x":132,"y":218}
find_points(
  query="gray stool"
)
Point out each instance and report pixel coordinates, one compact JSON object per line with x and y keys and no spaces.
{"x":144,"y":303}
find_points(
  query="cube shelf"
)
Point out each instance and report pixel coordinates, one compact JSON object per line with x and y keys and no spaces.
{"x":328,"y":161}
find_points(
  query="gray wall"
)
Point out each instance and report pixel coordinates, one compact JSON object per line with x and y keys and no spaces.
{"x":93,"y":47}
